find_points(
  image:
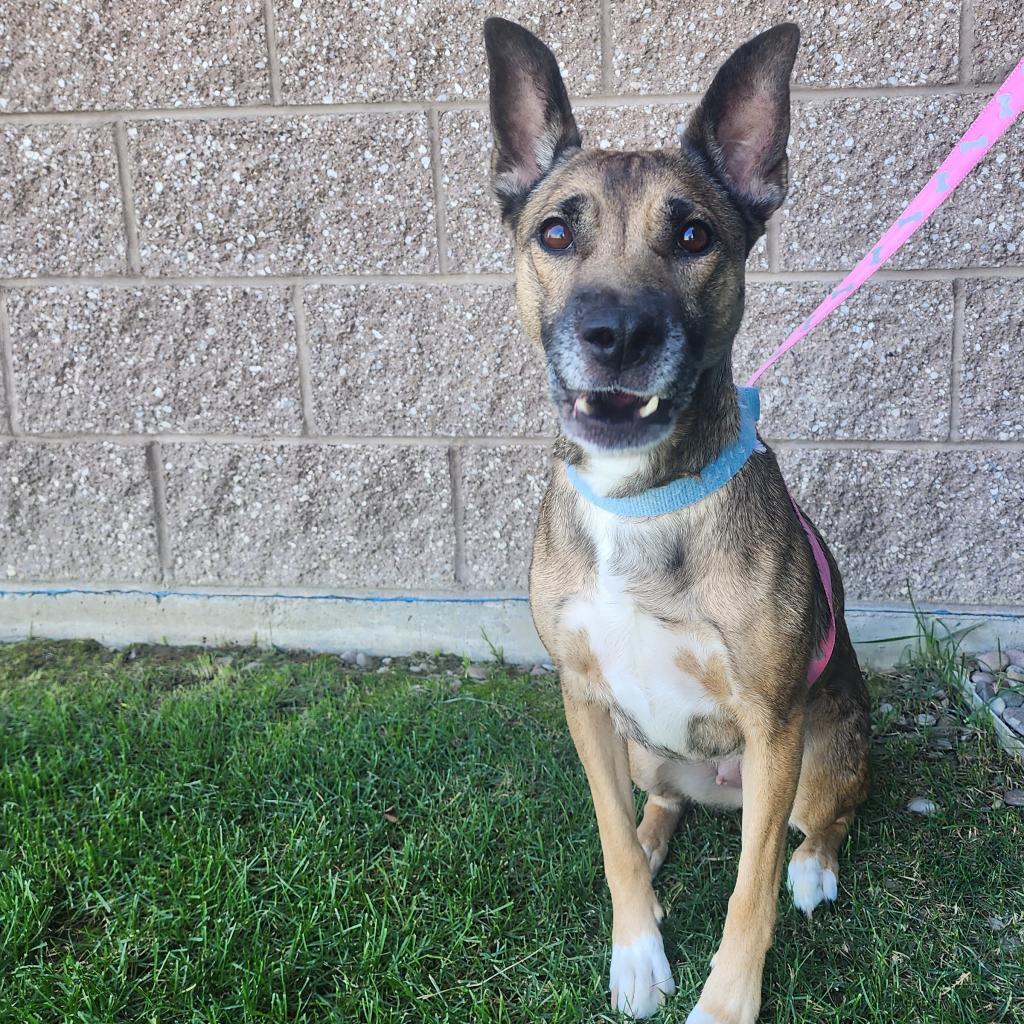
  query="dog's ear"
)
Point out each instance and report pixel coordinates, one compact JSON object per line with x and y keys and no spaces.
{"x":531,"y":119}
{"x":742,"y":124}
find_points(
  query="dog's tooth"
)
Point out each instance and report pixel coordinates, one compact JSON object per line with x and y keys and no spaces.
{"x":582,"y":405}
{"x":649,"y":407}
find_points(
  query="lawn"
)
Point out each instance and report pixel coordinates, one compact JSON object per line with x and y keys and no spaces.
{"x":249,"y":836}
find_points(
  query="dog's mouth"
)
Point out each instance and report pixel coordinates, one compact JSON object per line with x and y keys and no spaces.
{"x":615,"y":406}
{"x":615,"y":419}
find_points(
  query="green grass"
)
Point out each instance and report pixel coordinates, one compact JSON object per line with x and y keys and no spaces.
{"x":187,"y":836}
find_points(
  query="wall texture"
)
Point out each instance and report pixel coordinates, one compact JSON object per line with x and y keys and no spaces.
{"x":255,"y":309}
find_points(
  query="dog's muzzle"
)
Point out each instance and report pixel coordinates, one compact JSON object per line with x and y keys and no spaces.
{"x":613,"y":363}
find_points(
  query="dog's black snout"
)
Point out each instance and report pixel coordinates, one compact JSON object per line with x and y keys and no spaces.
{"x":619,"y":334}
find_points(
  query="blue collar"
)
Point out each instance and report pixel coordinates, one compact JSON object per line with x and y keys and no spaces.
{"x":687,"y":490}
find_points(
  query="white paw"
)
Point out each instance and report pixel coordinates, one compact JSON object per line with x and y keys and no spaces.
{"x":640,"y":976}
{"x":699,"y":1016}
{"x":810,"y":884}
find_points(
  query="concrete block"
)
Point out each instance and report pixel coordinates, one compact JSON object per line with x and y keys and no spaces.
{"x":368,"y":52}
{"x":95,"y":55}
{"x":998,"y":39}
{"x":77,"y":511}
{"x":60,"y":202}
{"x":501,"y":491}
{"x":331,"y":515}
{"x":317,"y":195}
{"x":423,"y":361}
{"x":946,"y":522}
{"x":856,"y":163}
{"x":662,"y":47}
{"x":871,"y":371}
{"x":991,"y":402}
{"x":156,"y":360}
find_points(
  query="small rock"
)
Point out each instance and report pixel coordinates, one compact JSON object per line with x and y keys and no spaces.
{"x":997,"y":924}
{"x":1011,"y":698}
{"x":477,"y":672}
{"x":1014,"y":798}
{"x":251,"y":666}
{"x":1014,"y":656}
{"x":416,"y":669}
{"x":538,"y":670}
{"x":348,"y":657}
{"x":363,"y":660}
{"x":885,"y":709}
{"x":993,"y":661}
{"x":1015,"y":674}
{"x":455,"y":685}
{"x":997,"y":706}
{"x":943,"y":743}
{"x":1014,"y":718}
{"x":984,"y":684}
{"x":919,"y":805}
{"x":926,"y":719}
{"x":386,"y":661}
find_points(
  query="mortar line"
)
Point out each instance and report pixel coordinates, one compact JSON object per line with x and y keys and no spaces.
{"x":503,"y":441}
{"x":914,"y":444}
{"x":155,"y":467}
{"x":286,"y":440}
{"x":966,"y":42}
{"x":309,"y":427}
{"x":249,"y":280}
{"x":273,"y":66}
{"x":440,"y":193}
{"x":956,"y":358}
{"x":607,"y":84}
{"x":772,"y":245}
{"x":254,"y":110}
{"x":7,"y":356}
{"x":124,"y":177}
{"x":404,"y":280}
{"x":458,"y":514}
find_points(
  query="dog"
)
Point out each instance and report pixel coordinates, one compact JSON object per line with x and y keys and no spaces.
{"x":680,"y":591}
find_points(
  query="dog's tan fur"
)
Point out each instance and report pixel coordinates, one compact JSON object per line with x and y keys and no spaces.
{"x":730,"y":580}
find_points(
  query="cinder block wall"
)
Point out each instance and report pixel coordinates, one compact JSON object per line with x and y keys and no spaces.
{"x":255,"y":309}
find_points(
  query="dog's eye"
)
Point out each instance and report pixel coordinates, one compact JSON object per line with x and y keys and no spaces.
{"x":555,"y":234}
{"x":694,"y":237}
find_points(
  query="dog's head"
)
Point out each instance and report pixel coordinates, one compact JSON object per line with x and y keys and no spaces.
{"x":630,"y":266}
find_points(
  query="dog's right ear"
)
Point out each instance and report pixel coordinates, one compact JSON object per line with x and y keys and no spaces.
{"x":531,"y":119}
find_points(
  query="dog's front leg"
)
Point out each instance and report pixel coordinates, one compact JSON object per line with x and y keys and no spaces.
{"x":640,"y":976}
{"x":771,"y":771}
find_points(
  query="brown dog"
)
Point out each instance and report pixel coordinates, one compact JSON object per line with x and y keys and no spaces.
{"x":683,"y":639}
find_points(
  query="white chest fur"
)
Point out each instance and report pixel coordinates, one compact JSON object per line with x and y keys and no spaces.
{"x":651,"y":669}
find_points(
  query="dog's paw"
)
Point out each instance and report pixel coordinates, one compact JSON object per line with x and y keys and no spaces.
{"x":811,"y":882}
{"x":731,"y":994}
{"x":656,"y":851}
{"x":699,"y":1016}
{"x":640,"y":977}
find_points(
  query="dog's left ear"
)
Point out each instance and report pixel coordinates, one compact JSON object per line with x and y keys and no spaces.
{"x":531,"y":119}
{"x":742,"y":124}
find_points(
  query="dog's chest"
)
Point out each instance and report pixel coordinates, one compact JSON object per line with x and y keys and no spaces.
{"x":665,"y":679}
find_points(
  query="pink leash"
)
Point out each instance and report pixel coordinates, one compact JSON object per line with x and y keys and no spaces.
{"x":999,"y":113}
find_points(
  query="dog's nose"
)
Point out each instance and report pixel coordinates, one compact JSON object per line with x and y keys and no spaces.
{"x":620,"y":336}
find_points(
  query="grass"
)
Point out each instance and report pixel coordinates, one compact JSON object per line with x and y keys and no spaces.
{"x":243,"y":836}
